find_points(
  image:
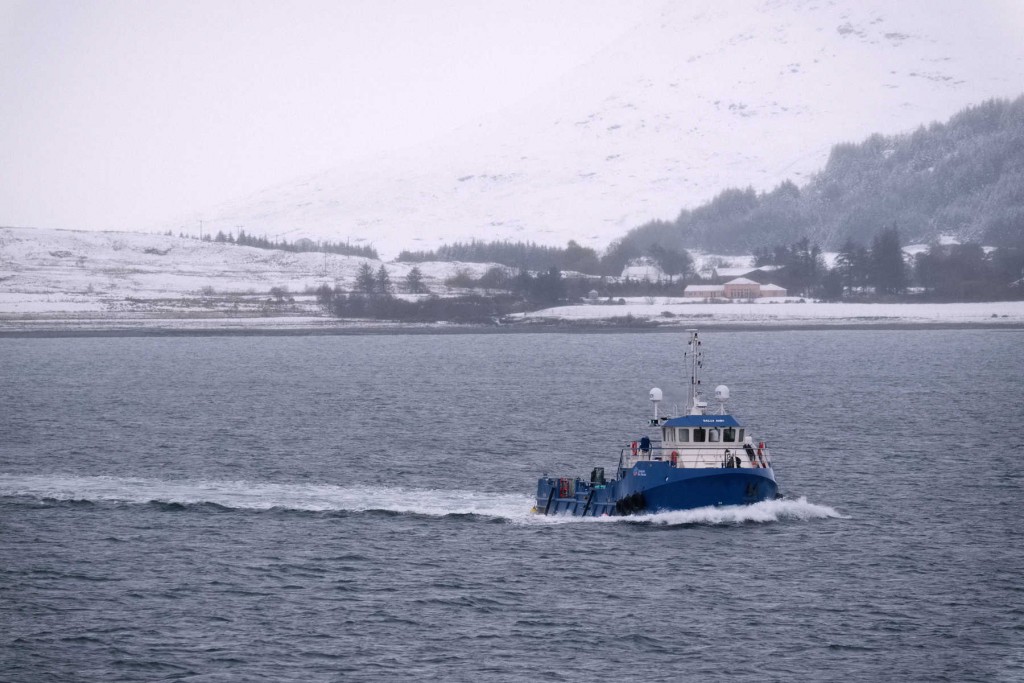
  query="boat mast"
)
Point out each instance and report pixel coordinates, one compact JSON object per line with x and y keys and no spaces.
{"x":696,"y":354}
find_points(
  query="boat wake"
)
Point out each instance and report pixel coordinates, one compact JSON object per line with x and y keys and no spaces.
{"x":797,"y":509}
{"x":326,"y":498}
{"x":259,"y":496}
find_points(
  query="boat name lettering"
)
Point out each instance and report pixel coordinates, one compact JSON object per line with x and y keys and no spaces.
{"x":637,"y":472}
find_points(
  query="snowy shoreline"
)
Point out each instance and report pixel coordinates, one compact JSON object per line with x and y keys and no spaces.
{"x":331,"y":327}
{"x":56,"y":283}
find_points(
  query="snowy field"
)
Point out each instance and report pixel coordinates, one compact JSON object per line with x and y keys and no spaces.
{"x":55,"y":277}
{"x":62,"y":280}
{"x":790,"y":313}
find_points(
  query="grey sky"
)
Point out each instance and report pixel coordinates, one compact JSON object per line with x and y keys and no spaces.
{"x":122,"y":114}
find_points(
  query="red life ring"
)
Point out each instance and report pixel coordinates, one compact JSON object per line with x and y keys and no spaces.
{"x":634,"y":448}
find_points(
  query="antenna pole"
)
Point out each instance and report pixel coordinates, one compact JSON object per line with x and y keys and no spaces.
{"x":696,"y":362}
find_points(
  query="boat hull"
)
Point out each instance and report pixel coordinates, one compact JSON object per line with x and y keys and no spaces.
{"x":656,"y":487}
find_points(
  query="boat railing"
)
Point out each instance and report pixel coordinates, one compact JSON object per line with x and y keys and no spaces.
{"x":703,"y":457}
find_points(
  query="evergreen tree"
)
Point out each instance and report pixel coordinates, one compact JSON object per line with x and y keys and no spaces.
{"x":852,"y":265}
{"x":414,"y":281}
{"x":580,"y":259}
{"x":888,"y":271}
{"x":805,"y":265}
{"x":832,"y":285}
{"x":1008,"y":266}
{"x":382,"y":281}
{"x":549,"y":287}
{"x":956,"y":271}
{"x":365,"y":281}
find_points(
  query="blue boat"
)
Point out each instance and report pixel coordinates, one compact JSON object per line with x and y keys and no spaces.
{"x":695,"y":460}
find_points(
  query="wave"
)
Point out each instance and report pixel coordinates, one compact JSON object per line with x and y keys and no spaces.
{"x":263,"y":496}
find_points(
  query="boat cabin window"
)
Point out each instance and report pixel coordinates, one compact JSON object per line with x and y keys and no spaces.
{"x":668,"y":434}
{"x":699,"y":434}
{"x":684,"y":435}
{"x":729,"y":434}
{"x":741,"y":434}
{"x":714,"y":435}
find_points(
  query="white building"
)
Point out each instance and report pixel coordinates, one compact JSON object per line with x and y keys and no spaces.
{"x":738,"y":288}
{"x":643,"y":268}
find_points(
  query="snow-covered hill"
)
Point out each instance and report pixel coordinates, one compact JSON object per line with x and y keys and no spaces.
{"x":63,"y":280}
{"x":66,"y":272}
{"x":710,"y":95}
{"x":71,"y":271}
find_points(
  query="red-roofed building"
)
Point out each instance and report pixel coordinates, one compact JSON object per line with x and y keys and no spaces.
{"x":742,"y":288}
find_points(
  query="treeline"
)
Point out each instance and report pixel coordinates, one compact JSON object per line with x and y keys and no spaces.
{"x":964,"y":177}
{"x":489,"y":297}
{"x":551,"y":287}
{"x":373,"y":297}
{"x":964,"y":272}
{"x":877,"y":271}
{"x":528,"y":256}
{"x":547,"y":288}
{"x":520,"y":255}
{"x":882,"y":271}
{"x":244,"y":239}
{"x":494,"y":294}
{"x":472,"y":308}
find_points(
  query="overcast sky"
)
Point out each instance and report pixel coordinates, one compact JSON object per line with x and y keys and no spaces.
{"x":120,"y":115}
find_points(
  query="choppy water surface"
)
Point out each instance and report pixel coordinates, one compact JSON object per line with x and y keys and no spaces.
{"x":325,"y":508}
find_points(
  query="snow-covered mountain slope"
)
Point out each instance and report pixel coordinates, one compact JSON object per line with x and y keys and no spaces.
{"x":708,"y":96}
{"x":66,"y":271}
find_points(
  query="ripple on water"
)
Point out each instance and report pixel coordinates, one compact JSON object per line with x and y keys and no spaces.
{"x":201,"y":544}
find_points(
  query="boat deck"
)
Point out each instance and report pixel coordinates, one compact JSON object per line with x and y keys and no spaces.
{"x":698,"y":458}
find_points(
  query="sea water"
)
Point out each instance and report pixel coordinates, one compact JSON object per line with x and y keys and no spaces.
{"x":331,"y":508}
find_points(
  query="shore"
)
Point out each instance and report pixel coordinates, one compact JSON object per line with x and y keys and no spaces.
{"x":56,"y":283}
{"x":313,"y":326}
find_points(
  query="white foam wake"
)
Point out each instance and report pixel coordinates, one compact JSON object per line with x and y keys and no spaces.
{"x":766,"y":511}
{"x":243,"y":495}
{"x":797,"y":509}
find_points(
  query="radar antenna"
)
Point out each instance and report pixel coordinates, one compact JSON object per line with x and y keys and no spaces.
{"x":656,"y":397}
